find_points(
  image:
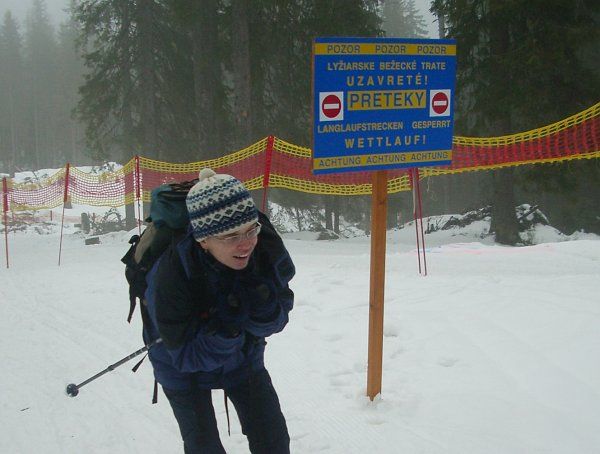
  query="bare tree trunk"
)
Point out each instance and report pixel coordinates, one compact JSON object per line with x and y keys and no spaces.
{"x":206,"y":75}
{"x":12,"y":161}
{"x":73,"y":141}
{"x":298,"y":219}
{"x":36,"y":126}
{"x":328,"y":212}
{"x":441,"y":26}
{"x":447,"y":180}
{"x":150,"y":146}
{"x":504,"y":222}
{"x":128,"y":151}
{"x":336,"y":214}
{"x":241,"y":73}
{"x":447,"y":189}
{"x":129,"y":147}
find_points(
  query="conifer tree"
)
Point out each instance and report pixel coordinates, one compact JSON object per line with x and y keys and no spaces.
{"x":11,"y":90}
{"x":242,"y":72}
{"x":402,"y":19}
{"x":41,"y":87}
{"x":131,"y":53}
{"x":520,"y":66}
{"x":70,"y":77}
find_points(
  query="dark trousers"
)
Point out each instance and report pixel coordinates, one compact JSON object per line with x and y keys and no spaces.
{"x":256,"y":404}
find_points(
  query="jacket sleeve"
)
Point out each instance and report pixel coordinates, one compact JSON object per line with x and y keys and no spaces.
{"x":272,"y":320}
{"x":270,"y":315}
{"x":206,"y":352}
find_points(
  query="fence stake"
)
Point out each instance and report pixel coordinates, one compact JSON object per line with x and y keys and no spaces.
{"x":138,"y":192}
{"x":62,"y":222}
{"x":413,"y":185}
{"x":267,"y":173}
{"x":418,"y":183}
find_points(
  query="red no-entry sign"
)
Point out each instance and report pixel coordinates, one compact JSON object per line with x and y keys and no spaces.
{"x":332,"y":106}
{"x":439,"y":103}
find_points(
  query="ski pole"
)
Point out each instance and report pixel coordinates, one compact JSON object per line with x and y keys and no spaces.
{"x":73,"y":389}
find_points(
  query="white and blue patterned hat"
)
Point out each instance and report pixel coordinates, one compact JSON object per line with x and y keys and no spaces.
{"x":219,"y":204}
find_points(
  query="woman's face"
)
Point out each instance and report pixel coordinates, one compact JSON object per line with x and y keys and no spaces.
{"x":234,"y":249}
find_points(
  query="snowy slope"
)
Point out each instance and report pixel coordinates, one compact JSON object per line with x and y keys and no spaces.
{"x":496,"y":351}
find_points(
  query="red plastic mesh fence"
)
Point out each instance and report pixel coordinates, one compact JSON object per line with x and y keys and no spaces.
{"x":275,"y":163}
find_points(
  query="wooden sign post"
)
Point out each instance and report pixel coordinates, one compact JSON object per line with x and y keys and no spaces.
{"x":377,"y":284}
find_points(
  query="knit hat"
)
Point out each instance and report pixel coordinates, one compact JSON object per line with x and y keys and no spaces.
{"x":219,"y":204}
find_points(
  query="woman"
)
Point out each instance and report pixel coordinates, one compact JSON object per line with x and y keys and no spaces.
{"x":213,"y":297}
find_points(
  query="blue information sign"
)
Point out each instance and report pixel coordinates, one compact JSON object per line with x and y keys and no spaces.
{"x":382,"y":103}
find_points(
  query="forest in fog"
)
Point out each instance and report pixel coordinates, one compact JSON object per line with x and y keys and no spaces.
{"x":188,"y":80}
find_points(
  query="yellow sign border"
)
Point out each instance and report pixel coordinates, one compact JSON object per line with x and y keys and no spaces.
{"x":382,"y":159}
{"x":352,"y":48}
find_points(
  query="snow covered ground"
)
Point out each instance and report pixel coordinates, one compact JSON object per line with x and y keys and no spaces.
{"x":496,"y":351}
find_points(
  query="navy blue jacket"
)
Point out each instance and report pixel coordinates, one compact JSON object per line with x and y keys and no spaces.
{"x":213,"y":320}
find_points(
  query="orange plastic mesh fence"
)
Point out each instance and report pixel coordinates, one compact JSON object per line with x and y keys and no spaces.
{"x":279,"y":164}
{"x":111,"y":189}
{"x":575,"y":137}
{"x":247,"y":165}
{"x":46,"y":193}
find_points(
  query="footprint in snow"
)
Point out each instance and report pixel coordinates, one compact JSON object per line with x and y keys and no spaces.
{"x":447,"y":362}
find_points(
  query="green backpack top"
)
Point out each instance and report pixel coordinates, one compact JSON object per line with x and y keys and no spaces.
{"x":168,"y":221}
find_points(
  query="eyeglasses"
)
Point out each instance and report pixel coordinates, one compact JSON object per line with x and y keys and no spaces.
{"x":239,"y":237}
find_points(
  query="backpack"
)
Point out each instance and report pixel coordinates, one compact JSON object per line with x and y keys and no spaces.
{"x":168,"y":221}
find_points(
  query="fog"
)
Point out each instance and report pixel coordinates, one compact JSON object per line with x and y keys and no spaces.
{"x":55,"y":8}
{"x":19,"y":9}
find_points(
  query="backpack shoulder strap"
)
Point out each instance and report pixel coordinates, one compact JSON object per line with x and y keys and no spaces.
{"x":176,"y":317}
